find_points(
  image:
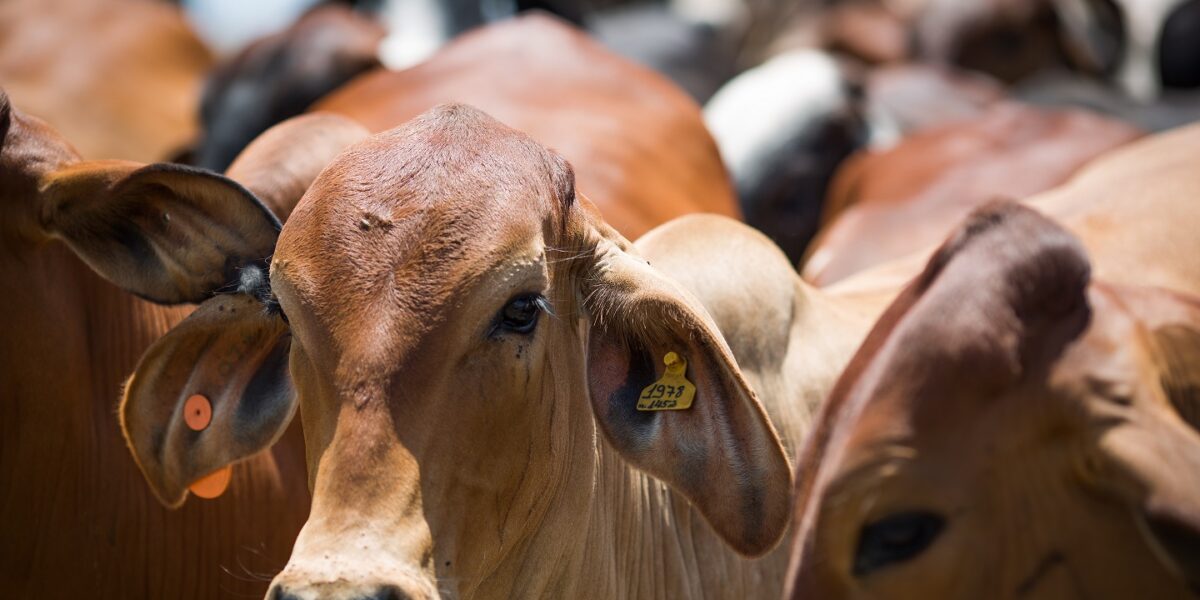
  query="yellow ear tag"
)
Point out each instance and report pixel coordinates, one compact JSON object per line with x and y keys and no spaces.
{"x":672,"y":391}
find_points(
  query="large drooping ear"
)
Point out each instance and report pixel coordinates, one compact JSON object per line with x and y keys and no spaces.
{"x":1000,"y":298}
{"x":166,"y":232}
{"x":722,"y":453}
{"x":279,"y":165}
{"x":212,"y":391}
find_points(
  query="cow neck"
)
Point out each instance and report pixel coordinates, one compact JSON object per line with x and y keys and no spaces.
{"x":643,"y":540}
{"x":826,"y":330}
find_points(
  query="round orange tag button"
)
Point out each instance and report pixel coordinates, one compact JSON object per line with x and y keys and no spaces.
{"x":197,"y":412}
{"x":213,"y":484}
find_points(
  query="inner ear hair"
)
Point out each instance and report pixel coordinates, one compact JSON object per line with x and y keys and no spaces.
{"x":168,"y":233}
{"x":1176,"y":352}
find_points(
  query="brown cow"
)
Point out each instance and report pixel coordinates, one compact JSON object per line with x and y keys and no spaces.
{"x":119,"y":78}
{"x":448,"y":300}
{"x":77,"y":519}
{"x":892,"y":203}
{"x":1142,"y":242}
{"x":639,"y":142}
{"x":1010,"y":428}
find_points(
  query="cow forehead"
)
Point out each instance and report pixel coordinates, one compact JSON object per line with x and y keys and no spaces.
{"x":1103,"y":366}
{"x":399,"y":223}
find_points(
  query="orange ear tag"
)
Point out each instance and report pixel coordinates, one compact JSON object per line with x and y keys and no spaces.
{"x":197,"y":412}
{"x":672,"y":391}
{"x":212,"y":485}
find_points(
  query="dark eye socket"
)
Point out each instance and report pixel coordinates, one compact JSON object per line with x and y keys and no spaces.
{"x":521,"y":313}
{"x":894,"y":539}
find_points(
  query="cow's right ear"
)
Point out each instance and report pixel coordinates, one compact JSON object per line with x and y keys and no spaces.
{"x":214,"y":390}
{"x":168,"y":233}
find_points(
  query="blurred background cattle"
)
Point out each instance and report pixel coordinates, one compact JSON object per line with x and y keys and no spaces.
{"x":855,"y":134}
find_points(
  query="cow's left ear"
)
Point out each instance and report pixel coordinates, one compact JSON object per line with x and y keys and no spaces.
{"x":166,"y":232}
{"x":722,"y":452}
{"x":214,"y":390}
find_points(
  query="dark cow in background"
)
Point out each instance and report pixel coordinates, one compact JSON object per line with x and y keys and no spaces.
{"x":783,"y":128}
{"x":83,"y":239}
{"x":1146,"y":46}
{"x":279,"y":77}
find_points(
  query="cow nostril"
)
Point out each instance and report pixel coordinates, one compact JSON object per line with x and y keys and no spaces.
{"x":388,"y":593}
{"x":278,"y":593}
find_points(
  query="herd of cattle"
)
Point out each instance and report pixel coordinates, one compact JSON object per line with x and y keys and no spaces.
{"x":389,"y":326}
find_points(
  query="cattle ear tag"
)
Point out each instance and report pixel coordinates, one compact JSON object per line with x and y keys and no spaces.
{"x":197,"y":414}
{"x":672,"y":391}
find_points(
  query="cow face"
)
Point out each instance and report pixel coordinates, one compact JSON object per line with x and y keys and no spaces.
{"x":468,"y":343}
{"x":1008,"y":430}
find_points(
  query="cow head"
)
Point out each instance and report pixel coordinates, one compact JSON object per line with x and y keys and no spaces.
{"x":1009,"y":429}
{"x":467,"y":341}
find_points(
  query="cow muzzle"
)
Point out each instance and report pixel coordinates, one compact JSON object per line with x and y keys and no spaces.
{"x":345,"y":590}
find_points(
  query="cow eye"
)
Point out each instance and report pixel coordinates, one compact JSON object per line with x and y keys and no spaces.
{"x":894,"y":539}
{"x":520,"y":315}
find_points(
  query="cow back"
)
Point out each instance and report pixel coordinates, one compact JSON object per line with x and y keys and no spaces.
{"x":637,"y":143}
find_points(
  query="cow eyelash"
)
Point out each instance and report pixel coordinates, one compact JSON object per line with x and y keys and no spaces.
{"x":520,"y":315}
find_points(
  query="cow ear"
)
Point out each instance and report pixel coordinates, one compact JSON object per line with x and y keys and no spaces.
{"x":166,"y":232}
{"x":722,"y":453}
{"x":212,"y":391}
